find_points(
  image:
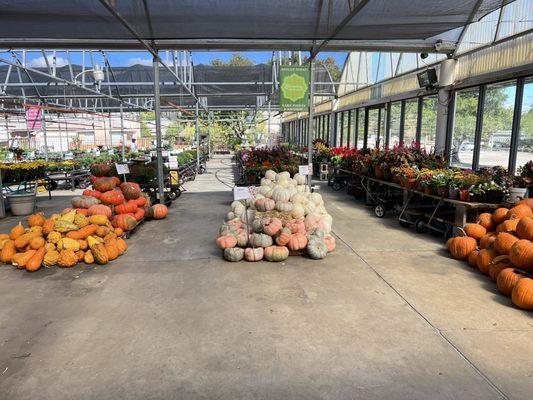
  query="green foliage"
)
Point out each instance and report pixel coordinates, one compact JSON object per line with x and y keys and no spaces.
{"x":148,"y":116}
{"x":236,"y":60}
{"x":145,"y":131}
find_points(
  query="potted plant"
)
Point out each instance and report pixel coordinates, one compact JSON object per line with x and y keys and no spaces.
{"x":521,"y":186}
{"x":465,"y":182}
{"x":476,"y":193}
{"x":440,"y":182}
{"x":22,"y":202}
{"x":526,"y":174}
{"x":494,"y":193}
{"x":425,"y":182}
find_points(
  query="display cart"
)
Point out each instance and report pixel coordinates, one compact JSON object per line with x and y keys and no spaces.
{"x":424,"y":211}
{"x":73,"y":179}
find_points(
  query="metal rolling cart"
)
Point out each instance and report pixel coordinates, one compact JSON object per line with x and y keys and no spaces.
{"x":425,"y":212}
{"x":384,"y":196}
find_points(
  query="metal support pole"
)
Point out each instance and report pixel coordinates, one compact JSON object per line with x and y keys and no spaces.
{"x":209,"y":135}
{"x":158,"y":138}
{"x":310,"y":126}
{"x":43,"y":120}
{"x":2,"y":208}
{"x":122,"y":131}
{"x":197,"y":139}
{"x":269,"y":132}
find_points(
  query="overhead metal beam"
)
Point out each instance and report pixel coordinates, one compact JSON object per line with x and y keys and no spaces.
{"x":469,"y":21}
{"x":355,"y":10}
{"x":413,"y":46}
{"x":58,"y":79}
{"x":148,"y":46}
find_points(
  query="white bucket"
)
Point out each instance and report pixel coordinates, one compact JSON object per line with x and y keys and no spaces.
{"x":517,"y":194}
{"x":21,"y":204}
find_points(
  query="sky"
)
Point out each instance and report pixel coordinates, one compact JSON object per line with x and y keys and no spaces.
{"x":128,"y":58}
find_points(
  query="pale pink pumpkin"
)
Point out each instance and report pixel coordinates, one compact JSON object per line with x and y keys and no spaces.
{"x":272,"y":226}
{"x":226,"y":242}
{"x":330,"y":242}
{"x":297,"y":241}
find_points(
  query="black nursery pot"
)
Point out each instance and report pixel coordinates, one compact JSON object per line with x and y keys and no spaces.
{"x":494,"y":196}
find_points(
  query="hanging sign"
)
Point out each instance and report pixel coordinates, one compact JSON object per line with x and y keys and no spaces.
{"x":304,"y":169}
{"x":294,"y":88}
{"x":173,"y":162}
{"x":122,"y":169}
{"x":33,"y":118}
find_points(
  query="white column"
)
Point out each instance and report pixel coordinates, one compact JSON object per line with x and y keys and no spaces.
{"x":446,"y":79}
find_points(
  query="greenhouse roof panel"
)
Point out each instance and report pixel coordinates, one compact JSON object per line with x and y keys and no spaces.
{"x":232,"y":24}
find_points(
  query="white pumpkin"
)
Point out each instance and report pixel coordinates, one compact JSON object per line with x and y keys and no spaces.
{"x":316,"y":198}
{"x":284,"y":206}
{"x":321,"y":209}
{"x":266,"y":182}
{"x":281,"y":194}
{"x":300,"y":179}
{"x":235,"y":204}
{"x":283,"y":182}
{"x":270,"y":174}
{"x":283,"y":175}
{"x":230,"y":216}
{"x":302,"y":188}
{"x":309,"y":207}
{"x":239,"y":209}
{"x":265,"y":191}
{"x":250,"y":214}
{"x":297,"y":211}
{"x":298,"y":198}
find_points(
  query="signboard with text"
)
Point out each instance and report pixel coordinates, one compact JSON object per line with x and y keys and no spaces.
{"x":294,"y":88}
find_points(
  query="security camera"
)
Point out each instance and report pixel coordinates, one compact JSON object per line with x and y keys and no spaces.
{"x":445,"y":47}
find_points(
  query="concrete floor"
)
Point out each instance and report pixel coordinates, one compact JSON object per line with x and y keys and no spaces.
{"x":386,"y":316}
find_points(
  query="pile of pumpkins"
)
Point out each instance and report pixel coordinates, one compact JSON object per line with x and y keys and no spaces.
{"x":63,"y":240}
{"x":283,"y":218}
{"x":500,"y":245}
{"x":122,"y":202}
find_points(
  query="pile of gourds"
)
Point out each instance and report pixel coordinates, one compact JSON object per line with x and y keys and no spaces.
{"x":62,"y":240}
{"x":123,"y":203}
{"x":500,"y":245}
{"x":283,"y":218}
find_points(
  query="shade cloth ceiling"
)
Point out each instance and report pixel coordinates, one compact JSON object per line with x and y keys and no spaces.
{"x":234,"y":24}
{"x":218,"y":86}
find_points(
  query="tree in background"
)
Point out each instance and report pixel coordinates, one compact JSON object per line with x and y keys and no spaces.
{"x":145,"y":131}
{"x":236,"y":60}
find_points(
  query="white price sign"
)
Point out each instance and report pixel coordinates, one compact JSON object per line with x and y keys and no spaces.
{"x":164,"y":153}
{"x":241,"y":193}
{"x":122,"y":169}
{"x":305,"y":169}
{"x":173,"y":162}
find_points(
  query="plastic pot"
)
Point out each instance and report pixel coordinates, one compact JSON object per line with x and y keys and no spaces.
{"x":21,"y":203}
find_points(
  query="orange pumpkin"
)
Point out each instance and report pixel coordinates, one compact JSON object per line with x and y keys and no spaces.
{"x":141,"y":201}
{"x":524,"y":228}
{"x":504,"y":241}
{"x":487,"y":240}
{"x":472,"y":258}
{"x":283,"y":237}
{"x":159,"y":211}
{"x":139,"y":214}
{"x":36,"y":220}
{"x":508,"y":226}
{"x":272,"y":226}
{"x":129,"y":207}
{"x":100,"y":209}
{"x":93,"y":193}
{"x":507,"y":280}
{"x":461,"y":247}
{"x":484,"y":258}
{"x":226,"y":242}
{"x":500,"y":215}
{"x":520,"y":211}
{"x":124,"y":221}
{"x":330,"y":242}
{"x":475,"y":231}
{"x":113,"y":197}
{"x":528,"y":202}
{"x":298,"y":241}
{"x":486,"y":221}
{"x":131,"y":190}
{"x":522,"y":294}
{"x":498,"y":265}
{"x":521,"y":254}
{"x":104,"y":184}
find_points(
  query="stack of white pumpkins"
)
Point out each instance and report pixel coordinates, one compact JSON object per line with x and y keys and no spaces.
{"x":283,"y":218}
